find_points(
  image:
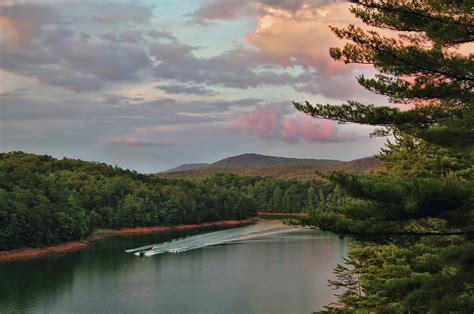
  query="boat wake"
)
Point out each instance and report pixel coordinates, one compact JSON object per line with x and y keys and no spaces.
{"x":257,"y":231}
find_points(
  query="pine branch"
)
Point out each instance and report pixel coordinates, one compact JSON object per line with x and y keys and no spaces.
{"x":404,"y":10}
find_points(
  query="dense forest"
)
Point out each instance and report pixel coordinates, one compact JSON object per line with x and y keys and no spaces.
{"x":44,"y":200}
{"x":275,"y":195}
{"x":413,"y":224}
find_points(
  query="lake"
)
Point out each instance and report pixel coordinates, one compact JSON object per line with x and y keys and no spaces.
{"x":263,"y":268}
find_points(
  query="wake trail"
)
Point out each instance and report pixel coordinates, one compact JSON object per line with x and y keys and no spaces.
{"x":260,"y":230}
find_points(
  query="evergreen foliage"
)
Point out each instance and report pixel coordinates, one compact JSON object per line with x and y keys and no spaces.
{"x":414,"y":223}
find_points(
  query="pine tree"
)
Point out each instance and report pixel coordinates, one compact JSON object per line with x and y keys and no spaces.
{"x":414,"y":223}
{"x":311,"y":198}
{"x":277,"y":199}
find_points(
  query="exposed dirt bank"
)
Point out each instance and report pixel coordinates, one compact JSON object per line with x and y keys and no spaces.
{"x":102,"y":233}
{"x":282,"y":214}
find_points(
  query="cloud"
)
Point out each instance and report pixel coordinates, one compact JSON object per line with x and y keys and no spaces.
{"x":118,"y":111}
{"x":88,"y":68}
{"x":104,"y":60}
{"x":112,"y":99}
{"x":221,"y":10}
{"x":120,"y":13}
{"x":342,"y":87}
{"x":263,"y":122}
{"x":302,"y":37}
{"x":190,"y":90}
{"x":293,"y":6}
{"x":289,"y":35}
{"x":54,"y":54}
{"x":232,"y":10}
{"x":20,"y":22}
{"x":287,"y":5}
{"x":297,"y":34}
{"x":154,"y":135}
{"x":238,"y":68}
{"x":113,"y":56}
{"x":137,"y":141}
{"x":267,"y":122}
{"x":311,"y":130}
{"x":156,"y":34}
{"x":129,"y":36}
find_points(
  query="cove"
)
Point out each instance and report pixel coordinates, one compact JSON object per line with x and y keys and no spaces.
{"x":278,"y":272}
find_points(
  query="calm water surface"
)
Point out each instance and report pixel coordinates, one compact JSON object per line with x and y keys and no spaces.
{"x":276,"y":272}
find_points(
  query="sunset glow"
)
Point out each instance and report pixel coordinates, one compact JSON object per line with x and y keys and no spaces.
{"x":143,"y":84}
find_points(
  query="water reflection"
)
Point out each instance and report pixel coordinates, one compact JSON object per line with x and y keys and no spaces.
{"x":278,"y":274}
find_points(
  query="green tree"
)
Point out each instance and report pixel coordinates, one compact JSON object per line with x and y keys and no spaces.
{"x":311,"y":198}
{"x":414,"y":222}
{"x":80,"y":226}
{"x":277,"y":199}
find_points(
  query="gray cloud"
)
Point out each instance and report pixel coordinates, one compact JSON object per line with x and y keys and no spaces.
{"x":341,"y":87}
{"x":130,"y":36}
{"x":221,"y":10}
{"x":130,"y":140}
{"x":100,"y":128}
{"x":190,"y":90}
{"x":211,"y":10}
{"x":58,"y":56}
{"x":24,"y":20}
{"x":238,"y":68}
{"x":335,"y":86}
{"x":156,"y":34}
{"x":62,"y":57}
{"x":295,"y":5}
{"x":119,"y":13}
{"x":119,"y":110}
{"x":103,"y":59}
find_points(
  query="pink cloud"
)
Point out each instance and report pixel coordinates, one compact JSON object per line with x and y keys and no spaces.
{"x":263,"y":121}
{"x":310,"y":129}
{"x":288,"y":33}
{"x":270,"y":124}
{"x":302,"y":36}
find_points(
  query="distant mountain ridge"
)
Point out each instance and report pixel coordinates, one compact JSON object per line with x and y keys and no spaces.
{"x":186,"y":167}
{"x":257,"y":160}
{"x":263,"y":165}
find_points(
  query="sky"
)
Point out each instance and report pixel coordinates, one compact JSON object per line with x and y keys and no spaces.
{"x":149,"y":85}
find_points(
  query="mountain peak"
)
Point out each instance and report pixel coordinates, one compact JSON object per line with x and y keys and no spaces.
{"x":281,"y":167}
{"x":252,"y":160}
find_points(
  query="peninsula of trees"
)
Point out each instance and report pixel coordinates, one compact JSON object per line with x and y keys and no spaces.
{"x":44,"y":201}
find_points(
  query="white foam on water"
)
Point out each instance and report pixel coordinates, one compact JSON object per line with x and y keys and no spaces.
{"x":260,"y":230}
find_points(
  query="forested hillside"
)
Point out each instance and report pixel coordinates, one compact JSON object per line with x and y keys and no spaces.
{"x":275,"y":195}
{"x":256,"y":160}
{"x":44,"y":200}
{"x":186,"y":167}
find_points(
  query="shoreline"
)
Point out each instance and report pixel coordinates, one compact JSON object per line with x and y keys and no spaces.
{"x":282,"y":214}
{"x":99,"y":234}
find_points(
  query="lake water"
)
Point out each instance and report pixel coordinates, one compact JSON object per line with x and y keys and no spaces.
{"x":263,"y":268}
